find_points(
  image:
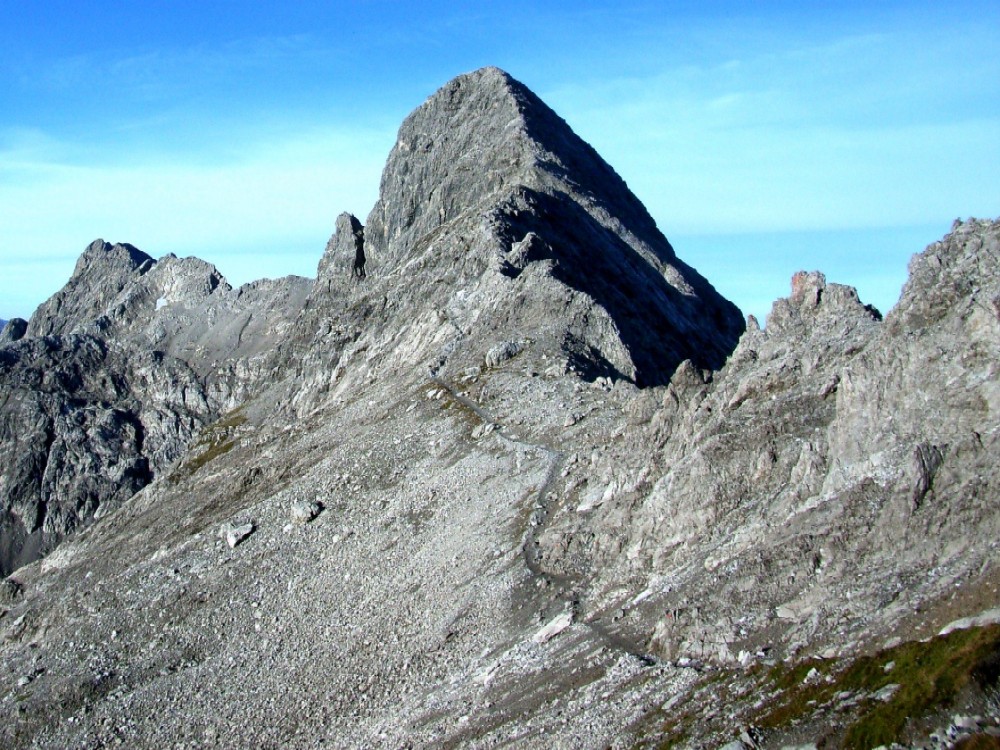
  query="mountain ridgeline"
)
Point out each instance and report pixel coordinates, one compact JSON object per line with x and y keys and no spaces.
{"x":507,"y":471}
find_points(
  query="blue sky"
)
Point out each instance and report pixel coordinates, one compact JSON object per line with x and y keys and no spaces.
{"x":763,"y":137}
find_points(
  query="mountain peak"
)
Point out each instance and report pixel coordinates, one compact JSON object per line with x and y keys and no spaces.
{"x":484,"y":181}
{"x":105,"y":255}
{"x":101,"y":272}
{"x":477,"y":138}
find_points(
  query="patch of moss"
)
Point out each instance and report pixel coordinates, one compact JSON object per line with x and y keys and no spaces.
{"x":930,"y":674}
{"x":211,"y":452}
{"x":798,"y":697}
{"x":214,"y":441}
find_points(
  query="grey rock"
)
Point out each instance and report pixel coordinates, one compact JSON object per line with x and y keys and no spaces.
{"x":304,"y":511}
{"x":983,"y":619}
{"x":83,"y":424}
{"x":482,"y":430}
{"x":490,"y":192}
{"x":101,"y":273}
{"x":344,"y":256}
{"x":10,"y":591}
{"x":966,"y":723}
{"x":886,"y":693}
{"x":832,"y":466}
{"x":114,"y":378}
{"x":828,"y":438}
{"x":554,"y":627}
{"x":12,"y":330}
{"x":497,"y":355}
{"x":234,"y":535}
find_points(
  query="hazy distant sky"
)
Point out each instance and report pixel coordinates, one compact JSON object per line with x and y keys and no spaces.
{"x":763,"y":137}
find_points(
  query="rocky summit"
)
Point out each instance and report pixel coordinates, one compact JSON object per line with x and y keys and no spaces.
{"x":506,"y":473}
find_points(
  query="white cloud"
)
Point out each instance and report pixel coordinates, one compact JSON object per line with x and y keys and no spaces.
{"x":852,"y":132}
{"x":283,"y":197}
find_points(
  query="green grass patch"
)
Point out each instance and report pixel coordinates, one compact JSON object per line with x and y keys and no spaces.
{"x":214,"y":441}
{"x":798,"y":697}
{"x":929,"y":674}
{"x":209,"y":453}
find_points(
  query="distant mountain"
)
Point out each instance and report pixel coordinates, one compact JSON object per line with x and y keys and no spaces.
{"x":114,"y":375}
{"x":506,"y":473}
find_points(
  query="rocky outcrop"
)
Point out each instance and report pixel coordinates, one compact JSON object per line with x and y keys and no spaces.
{"x":344,"y":256}
{"x":522,"y":556}
{"x":494,"y":212}
{"x":495,"y":222}
{"x":805,"y":487}
{"x":84,"y":425}
{"x":525,"y":481}
{"x":101,"y":273}
{"x":114,"y":376}
{"x":12,"y":330}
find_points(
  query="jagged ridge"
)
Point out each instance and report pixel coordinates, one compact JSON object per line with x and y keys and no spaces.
{"x":486,"y":181}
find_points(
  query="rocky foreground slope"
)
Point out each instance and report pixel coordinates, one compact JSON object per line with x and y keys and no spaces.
{"x":507,"y":473}
{"x":111,"y":378}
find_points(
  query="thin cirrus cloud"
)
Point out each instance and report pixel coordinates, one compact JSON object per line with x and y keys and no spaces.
{"x":733,"y":126}
{"x":274,"y":206}
{"x":834,"y":135}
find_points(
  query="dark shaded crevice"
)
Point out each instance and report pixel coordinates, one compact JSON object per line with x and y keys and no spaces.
{"x":659,"y":326}
{"x":42,"y":507}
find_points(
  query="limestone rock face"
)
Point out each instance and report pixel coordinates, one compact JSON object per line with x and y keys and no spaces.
{"x":344,"y":256}
{"x":493,"y":211}
{"x":101,"y":273}
{"x":525,"y":481}
{"x":831,"y":463}
{"x":113,"y":377}
{"x":12,"y":330}
{"x":84,"y":425}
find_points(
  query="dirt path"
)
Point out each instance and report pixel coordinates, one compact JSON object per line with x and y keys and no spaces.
{"x":535,"y":526}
